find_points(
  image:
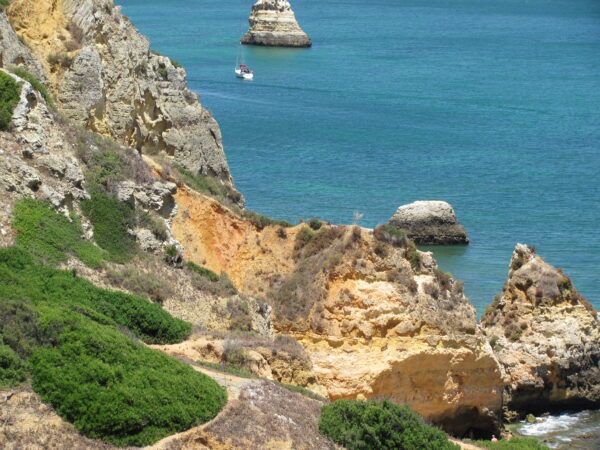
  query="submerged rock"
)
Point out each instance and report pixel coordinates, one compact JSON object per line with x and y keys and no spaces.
{"x":546,"y":336}
{"x":430,"y":223}
{"x":273,"y":24}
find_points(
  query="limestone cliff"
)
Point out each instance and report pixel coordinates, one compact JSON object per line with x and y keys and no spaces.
{"x":104,"y":77}
{"x":373,"y":323}
{"x":546,"y":336}
{"x":273,"y":24}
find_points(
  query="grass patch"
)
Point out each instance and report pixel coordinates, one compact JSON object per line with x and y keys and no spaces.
{"x":10,"y":92}
{"x":381,"y":425}
{"x":51,"y":237}
{"x":516,"y":443}
{"x":202,"y":271}
{"x":206,"y":280}
{"x":65,"y":332}
{"x":20,"y":72}
{"x":261,"y":222}
{"x":224,"y":368}
{"x":112,"y":221}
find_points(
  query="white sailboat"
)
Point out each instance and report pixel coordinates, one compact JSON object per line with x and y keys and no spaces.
{"x":242,"y":70}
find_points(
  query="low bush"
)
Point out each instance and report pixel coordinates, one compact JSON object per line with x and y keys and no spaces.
{"x":309,"y":242}
{"x":261,"y":222}
{"x":13,"y":369}
{"x":516,"y":443}
{"x":10,"y":92}
{"x":381,"y":425}
{"x":315,"y":224}
{"x":391,"y":234}
{"x":152,"y":222}
{"x":51,"y":237}
{"x":112,"y":221}
{"x":223,"y":368}
{"x":115,"y":389}
{"x":20,"y":72}
{"x":202,"y":271}
{"x":21,"y":279}
{"x":207,"y":281}
{"x":4,"y":4}
{"x":412,"y":255}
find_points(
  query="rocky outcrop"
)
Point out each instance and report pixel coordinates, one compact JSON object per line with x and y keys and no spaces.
{"x":430,"y":223}
{"x":273,"y":24}
{"x":104,"y":77}
{"x":546,"y":336}
{"x":14,"y":53}
{"x":376,"y":320}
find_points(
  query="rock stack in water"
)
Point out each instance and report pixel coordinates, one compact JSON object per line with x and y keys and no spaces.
{"x":430,"y":223}
{"x":546,"y":336}
{"x":273,"y":24}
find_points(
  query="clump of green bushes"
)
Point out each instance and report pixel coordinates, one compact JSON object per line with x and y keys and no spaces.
{"x":261,"y":222}
{"x":10,"y":92}
{"x":20,"y":72}
{"x":391,"y":234}
{"x":68,"y":335}
{"x":51,"y":237}
{"x":360,"y":425}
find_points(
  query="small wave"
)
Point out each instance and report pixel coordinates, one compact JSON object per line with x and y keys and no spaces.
{"x":550,"y":424}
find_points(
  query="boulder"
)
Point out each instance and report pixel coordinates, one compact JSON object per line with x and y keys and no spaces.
{"x":273,"y":24}
{"x":546,"y":336}
{"x":430,"y":223}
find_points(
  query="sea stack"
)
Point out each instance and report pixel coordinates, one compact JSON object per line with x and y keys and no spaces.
{"x":430,"y":223}
{"x":273,"y":24}
{"x":546,"y":336}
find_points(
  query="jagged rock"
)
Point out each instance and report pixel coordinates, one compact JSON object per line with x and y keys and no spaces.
{"x":273,"y":24}
{"x":430,"y":223}
{"x":14,"y":53}
{"x":113,"y":84}
{"x":546,"y":336}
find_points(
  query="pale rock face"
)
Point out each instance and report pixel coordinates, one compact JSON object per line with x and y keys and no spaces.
{"x":113,"y":84}
{"x":273,"y":24}
{"x":14,"y":53}
{"x":430,"y":223}
{"x":546,"y":336}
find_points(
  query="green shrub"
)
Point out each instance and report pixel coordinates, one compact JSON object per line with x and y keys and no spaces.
{"x":111,"y":220}
{"x":115,"y":389}
{"x":261,"y":222}
{"x":21,"y":279}
{"x":13,"y":370}
{"x":19,"y":326}
{"x":516,"y":443}
{"x":10,"y":92}
{"x":381,"y":425}
{"x":203,"y":271}
{"x":412,"y":255}
{"x":391,"y":234}
{"x":315,"y":224}
{"x":4,"y":4}
{"x":20,"y":72}
{"x":153,"y":223}
{"x":51,"y":237}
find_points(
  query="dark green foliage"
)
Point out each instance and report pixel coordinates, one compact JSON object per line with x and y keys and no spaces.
{"x":516,"y":443}
{"x":20,"y":72}
{"x":110,"y":386}
{"x":13,"y":370}
{"x":203,"y":271}
{"x":51,"y":237}
{"x":21,"y":279}
{"x":412,"y":255}
{"x":118,"y":390}
{"x":379,"y":425}
{"x":4,"y":4}
{"x":391,"y":234}
{"x":315,"y":224}
{"x":261,"y":222}
{"x":111,"y":220}
{"x":9,"y":97}
{"x":107,"y":168}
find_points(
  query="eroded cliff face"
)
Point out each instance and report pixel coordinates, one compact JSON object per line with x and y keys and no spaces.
{"x":273,"y":24}
{"x":546,"y":336}
{"x":104,"y":77}
{"x":372,"y":324}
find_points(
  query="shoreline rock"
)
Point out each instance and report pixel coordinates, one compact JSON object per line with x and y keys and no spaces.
{"x":547,"y":338}
{"x":273,"y":24}
{"x":430,"y":223}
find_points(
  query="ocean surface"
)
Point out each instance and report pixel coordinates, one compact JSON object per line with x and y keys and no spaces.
{"x":492,"y":106}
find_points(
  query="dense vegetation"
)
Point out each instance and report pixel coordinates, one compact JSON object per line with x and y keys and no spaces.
{"x":51,"y":237}
{"x":516,"y":443}
{"x":9,"y":97}
{"x":382,"y":425}
{"x":79,"y":343}
{"x":20,"y":72}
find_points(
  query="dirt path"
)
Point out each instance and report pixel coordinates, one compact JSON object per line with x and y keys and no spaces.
{"x":465,"y":446}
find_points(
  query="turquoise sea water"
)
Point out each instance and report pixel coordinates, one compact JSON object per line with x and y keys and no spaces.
{"x":493,"y":106}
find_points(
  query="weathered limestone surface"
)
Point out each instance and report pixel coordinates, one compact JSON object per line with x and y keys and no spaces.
{"x":105,"y":77}
{"x":546,"y":336}
{"x":372,"y":325}
{"x":273,"y":24}
{"x":14,"y":53}
{"x":430,"y":223}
